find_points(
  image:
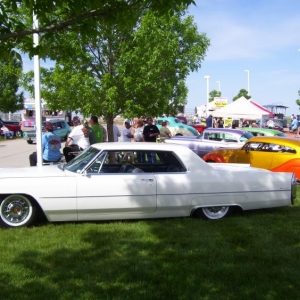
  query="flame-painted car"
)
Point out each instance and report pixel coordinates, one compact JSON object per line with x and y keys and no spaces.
{"x":278,"y":154}
{"x":61,"y":128}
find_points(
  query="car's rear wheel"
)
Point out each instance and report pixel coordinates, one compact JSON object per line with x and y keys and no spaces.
{"x":18,"y":133}
{"x":17,"y":211}
{"x":213,"y":212}
{"x":178,"y":134}
{"x":29,"y":142}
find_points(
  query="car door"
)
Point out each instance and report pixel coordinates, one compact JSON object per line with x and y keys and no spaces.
{"x":262,"y":156}
{"x":108,"y":194}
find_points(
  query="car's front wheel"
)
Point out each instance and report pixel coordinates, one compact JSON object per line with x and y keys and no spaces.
{"x":178,"y":134}
{"x":213,"y":212}
{"x":29,"y":142}
{"x":17,"y":211}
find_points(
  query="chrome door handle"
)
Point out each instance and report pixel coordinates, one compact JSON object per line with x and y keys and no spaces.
{"x":149,"y":179}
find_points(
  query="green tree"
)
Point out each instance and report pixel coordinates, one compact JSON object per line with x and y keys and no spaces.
{"x":213,"y":94}
{"x":10,"y":72}
{"x":298,"y":100}
{"x":61,"y":16}
{"x":242,"y":93}
{"x":136,"y":72}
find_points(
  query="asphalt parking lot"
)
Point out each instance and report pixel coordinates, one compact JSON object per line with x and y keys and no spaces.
{"x":15,"y":153}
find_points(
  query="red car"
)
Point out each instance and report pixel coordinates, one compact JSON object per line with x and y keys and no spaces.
{"x":12,"y":126}
{"x":199,"y":127}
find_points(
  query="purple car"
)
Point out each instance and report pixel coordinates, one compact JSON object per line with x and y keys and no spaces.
{"x":212,"y":138}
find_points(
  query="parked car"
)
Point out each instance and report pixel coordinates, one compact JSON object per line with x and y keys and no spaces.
{"x":278,"y":154}
{"x":212,"y":138}
{"x":61,"y":128}
{"x":182,"y":119}
{"x":13,"y":126}
{"x":199,"y":127}
{"x":177,"y":127}
{"x":264,"y":131}
{"x":99,"y":184}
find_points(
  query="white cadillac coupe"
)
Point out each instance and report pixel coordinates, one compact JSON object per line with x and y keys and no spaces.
{"x":137,"y":181}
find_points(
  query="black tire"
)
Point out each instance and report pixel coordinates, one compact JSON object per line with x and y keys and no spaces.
{"x":29,"y":142}
{"x":178,"y":134}
{"x":17,"y":211}
{"x":213,"y":212}
{"x":18,"y":133}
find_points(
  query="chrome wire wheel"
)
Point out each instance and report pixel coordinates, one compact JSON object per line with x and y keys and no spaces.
{"x":16,"y":211}
{"x":215,"y":212}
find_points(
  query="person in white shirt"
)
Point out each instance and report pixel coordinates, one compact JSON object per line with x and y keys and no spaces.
{"x":76,"y":141}
{"x":127,"y":137}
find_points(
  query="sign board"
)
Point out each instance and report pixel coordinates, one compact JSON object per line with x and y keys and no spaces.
{"x":220,"y":101}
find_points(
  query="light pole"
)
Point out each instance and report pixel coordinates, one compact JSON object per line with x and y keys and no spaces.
{"x":248,"y":72}
{"x":207,"y":93}
{"x":219,"y":83}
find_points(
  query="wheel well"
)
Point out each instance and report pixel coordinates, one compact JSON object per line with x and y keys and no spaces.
{"x":194,"y":212}
{"x":41,"y":214}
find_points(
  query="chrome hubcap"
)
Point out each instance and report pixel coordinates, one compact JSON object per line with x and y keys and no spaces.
{"x":215,"y":212}
{"x":15,"y":210}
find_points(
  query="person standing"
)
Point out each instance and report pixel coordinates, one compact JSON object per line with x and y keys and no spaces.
{"x":97,"y":129}
{"x":127,"y":138}
{"x":127,"y":133}
{"x":209,"y":121}
{"x":76,"y":141}
{"x":116,"y":132}
{"x":164,"y":132}
{"x":138,"y":137}
{"x":150,"y":134}
{"x":50,"y":146}
{"x":220,"y":123}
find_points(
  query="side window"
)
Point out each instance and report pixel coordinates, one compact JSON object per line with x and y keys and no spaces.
{"x":159,"y":122}
{"x":120,"y":162}
{"x":254,"y":146}
{"x":230,"y":138}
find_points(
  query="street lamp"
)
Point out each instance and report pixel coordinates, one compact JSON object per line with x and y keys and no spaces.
{"x":219,"y":83}
{"x":248,"y":72}
{"x":207,"y":93}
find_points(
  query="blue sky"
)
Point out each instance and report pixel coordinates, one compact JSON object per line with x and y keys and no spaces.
{"x":262,"y":36}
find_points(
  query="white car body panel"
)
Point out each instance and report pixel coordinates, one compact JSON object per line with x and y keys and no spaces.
{"x":70,"y":196}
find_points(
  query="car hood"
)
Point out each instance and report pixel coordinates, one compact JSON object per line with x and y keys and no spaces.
{"x":45,"y":171}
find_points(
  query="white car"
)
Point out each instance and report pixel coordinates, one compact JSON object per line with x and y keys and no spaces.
{"x":102,"y":184}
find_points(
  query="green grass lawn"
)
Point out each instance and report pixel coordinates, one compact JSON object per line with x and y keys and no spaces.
{"x":250,"y":255}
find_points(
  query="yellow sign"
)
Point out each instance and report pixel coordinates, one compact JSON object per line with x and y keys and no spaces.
{"x":220,"y":101}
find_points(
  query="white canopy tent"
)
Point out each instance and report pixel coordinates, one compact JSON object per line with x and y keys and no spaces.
{"x":243,"y":108}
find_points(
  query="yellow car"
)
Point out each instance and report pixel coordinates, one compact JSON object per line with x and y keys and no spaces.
{"x":278,"y":154}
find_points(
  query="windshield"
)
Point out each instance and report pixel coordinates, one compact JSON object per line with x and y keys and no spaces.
{"x":246,"y":136}
{"x":82,"y":160}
